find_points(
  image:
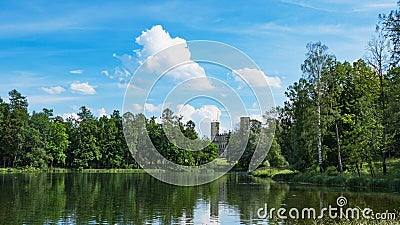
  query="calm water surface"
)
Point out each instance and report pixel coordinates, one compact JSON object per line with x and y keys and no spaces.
{"x":95,"y":198}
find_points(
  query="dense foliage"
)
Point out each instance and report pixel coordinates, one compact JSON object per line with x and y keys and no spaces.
{"x":342,"y":114}
{"x":42,"y":140}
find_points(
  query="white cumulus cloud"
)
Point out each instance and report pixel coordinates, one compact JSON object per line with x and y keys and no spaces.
{"x":66,"y":116}
{"x":53,"y":90}
{"x":188,"y":112}
{"x":137,"y":107}
{"x":76,"y":71}
{"x":258,"y":117}
{"x":257,"y":78}
{"x":101,"y":112}
{"x":202,"y":117}
{"x":82,"y":88}
{"x":274,"y":81}
{"x":156,"y":39}
{"x":153,"y":41}
{"x":151,"y":107}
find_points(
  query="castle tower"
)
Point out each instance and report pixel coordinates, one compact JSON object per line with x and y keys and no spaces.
{"x":244,"y":123}
{"x":214,"y":130}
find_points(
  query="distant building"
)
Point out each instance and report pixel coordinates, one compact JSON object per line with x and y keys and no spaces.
{"x":214,"y":130}
{"x":244,"y":123}
{"x":221,"y":139}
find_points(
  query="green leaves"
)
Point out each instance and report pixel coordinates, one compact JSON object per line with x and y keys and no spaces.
{"x":350,"y":113}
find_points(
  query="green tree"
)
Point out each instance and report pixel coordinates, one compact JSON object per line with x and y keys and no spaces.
{"x":130,"y":135}
{"x":208,"y":154}
{"x":44,"y":141}
{"x":333,"y":78}
{"x":122,"y":148}
{"x":111,"y":140}
{"x":33,"y":144}
{"x":393,"y":111}
{"x":377,"y":58}
{"x":18,"y":118}
{"x":390,"y":24}
{"x":274,"y":157}
{"x":86,"y":152}
{"x":283,"y":133}
{"x":5,"y":133}
{"x":303,"y":130}
{"x":58,"y":144}
{"x":361,"y":114}
{"x":317,"y":59}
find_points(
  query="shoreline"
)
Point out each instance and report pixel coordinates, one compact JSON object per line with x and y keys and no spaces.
{"x":388,"y":182}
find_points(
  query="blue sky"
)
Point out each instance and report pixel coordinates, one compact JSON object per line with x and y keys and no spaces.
{"x":65,"y":54}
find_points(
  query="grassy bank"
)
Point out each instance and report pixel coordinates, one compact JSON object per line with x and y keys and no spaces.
{"x":346,"y":179}
{"x":271,"y":172}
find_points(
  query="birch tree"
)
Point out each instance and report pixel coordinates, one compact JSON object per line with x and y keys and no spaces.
{"x":317,"y":60}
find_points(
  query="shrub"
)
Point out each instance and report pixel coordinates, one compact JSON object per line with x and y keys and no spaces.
{"x":396,"y":184}
{"x":331,"y":171}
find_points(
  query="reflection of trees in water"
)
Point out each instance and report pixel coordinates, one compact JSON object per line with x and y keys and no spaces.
{"x":248,"y":194}
{"x":31,"y":198}
{"x":83,"y":197}
{"x":310,"y":196}
{"x":80,"y":198}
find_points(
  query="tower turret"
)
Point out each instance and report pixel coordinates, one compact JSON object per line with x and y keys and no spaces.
{"x":214,"y":130}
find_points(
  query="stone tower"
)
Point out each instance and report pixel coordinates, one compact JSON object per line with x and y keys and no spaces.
{"x":244,"y":123}
{"x":214,"y":130}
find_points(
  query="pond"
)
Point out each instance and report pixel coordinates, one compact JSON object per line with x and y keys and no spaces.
{"x":137,"y":198}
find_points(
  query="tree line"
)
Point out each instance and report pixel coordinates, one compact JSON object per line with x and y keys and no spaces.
{"x":342,"y":114}
{"x":42,"y":140}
